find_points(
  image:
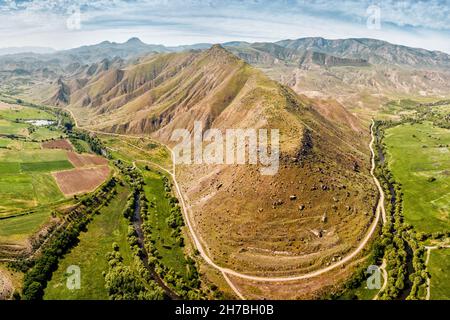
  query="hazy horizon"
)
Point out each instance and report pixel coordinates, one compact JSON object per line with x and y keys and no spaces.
{"x":62,"y":24}
{"x":53,"y":50}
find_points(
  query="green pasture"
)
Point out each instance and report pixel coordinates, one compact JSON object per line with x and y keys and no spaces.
{"x":419,"y":158}
{"x":439,"y":269}
{"x":90,"y":254}
{"x":171,"y":253}
{"x":25,"y":113}
{"x":20,"y":227}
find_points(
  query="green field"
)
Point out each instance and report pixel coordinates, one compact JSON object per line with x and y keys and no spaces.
{"x":360,"y":293}
{"x":44,"y":133}
{"x":9,"y":167}
{"x":171,"y":253}
{"x":19,"y":228}
{"x":41,"y":155}
{"x":4,"y":142}
{"x":132,"y":149}
{"x":25,"y":113}
{"x":419,"y":158}
{"x":81,"y":146}
{"x":25,"y":179}
{"x":90,"y":254}
{"x":12,"y":128}
{"x":45,"y":166}
{"x":439,"y":269}
{"x":19,"y":145}
{"x":24,"y":191}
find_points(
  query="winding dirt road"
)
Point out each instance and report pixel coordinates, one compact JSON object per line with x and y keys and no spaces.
{"x":380,"y":211}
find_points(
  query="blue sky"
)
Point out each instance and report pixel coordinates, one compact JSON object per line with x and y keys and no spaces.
{"x":53,"y":23}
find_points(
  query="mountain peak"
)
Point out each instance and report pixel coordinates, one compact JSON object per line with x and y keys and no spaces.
{"x":134,"y":40}
{"x":217,"y":46}
{"x":219,"y":53}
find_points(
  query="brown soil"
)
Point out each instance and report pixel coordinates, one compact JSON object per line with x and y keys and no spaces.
{"x":58,"y":144}
{"x":86,"y":160}
{"x":78,"y":181}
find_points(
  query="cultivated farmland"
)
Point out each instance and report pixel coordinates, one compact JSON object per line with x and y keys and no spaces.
{"x":57,"y":144}
{"x":29,"y":158}
{"x":86,"y":160}
{"x":78,"y":181}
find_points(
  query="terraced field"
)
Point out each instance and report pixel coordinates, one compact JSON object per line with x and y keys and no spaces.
{"x":419,"y":158}
{"x":17,"y":229}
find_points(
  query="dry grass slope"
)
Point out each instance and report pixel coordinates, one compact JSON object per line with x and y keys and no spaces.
{"x":249,"y":222}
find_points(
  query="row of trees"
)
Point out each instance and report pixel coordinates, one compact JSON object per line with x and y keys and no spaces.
{"x":186,"y":286}
{"x":94,"y":142}
{"x":124,"y":282}
{"x":398,"y":239}
{"x":175,"y":219}
{"x":426,"y":112}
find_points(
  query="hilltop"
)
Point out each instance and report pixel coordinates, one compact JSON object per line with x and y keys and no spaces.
{"x":312,"y":211}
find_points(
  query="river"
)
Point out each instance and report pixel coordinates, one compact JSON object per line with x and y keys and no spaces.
{"x":137,"y":223}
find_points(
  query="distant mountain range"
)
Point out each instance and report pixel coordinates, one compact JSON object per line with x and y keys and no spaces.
{"x":352,"y":50}
{"x":352,"y":71}
{"x":15,"y":50}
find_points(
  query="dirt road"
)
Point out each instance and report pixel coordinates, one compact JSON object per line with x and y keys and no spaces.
{"x":380,"y":211}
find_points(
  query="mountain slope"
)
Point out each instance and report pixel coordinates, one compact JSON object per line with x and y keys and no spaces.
{"x":266,"y":53}
{"x":248,"y":221}
{"x":372,"y":50}
{"x":361,"y":74}
{"x":132,"y":48}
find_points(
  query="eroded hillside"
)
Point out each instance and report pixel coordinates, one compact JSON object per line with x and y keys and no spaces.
{"x":312,"y":212}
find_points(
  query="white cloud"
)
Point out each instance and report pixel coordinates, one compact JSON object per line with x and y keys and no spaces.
{"x":171,"y":22}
